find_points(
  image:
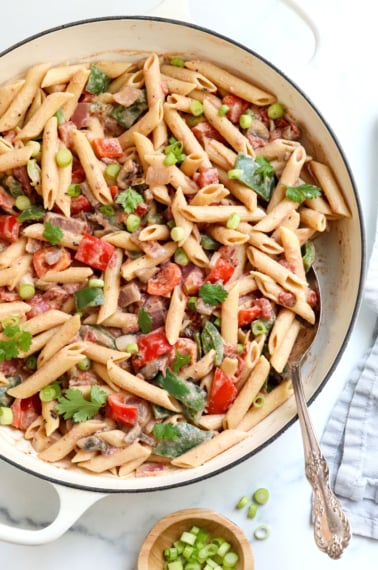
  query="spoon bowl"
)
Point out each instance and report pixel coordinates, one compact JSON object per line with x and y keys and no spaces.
{"x":331,"y":525}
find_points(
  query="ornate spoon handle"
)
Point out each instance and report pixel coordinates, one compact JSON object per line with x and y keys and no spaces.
{"x":331,"y":525}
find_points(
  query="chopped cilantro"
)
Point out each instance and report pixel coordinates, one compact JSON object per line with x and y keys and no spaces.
{"x":52,"y":233}
{"x":33,"y":213}
{"x":74,"y":405}
{"x":144,"y":321}
{"x":166,"y":431}
{"x":180,"y":361}
{"x":18,"y":340}
{"x":129,"y":200}
{"x":303,"y":192}
{"x":212,"y":293}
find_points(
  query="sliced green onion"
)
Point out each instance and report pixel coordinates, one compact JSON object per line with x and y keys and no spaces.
{"x":242,"y":502}
{"x":223,"y":110}
{"x":276,"y":111}
{"x":13,"y":321}
{"x":209,"y":243}
{"x":235,"y":173}
{"x":258,"y":327}
{"x":230,"y":559}
{"x":262,"y":532}
{"x":112,"y":170}
{"x":171,"y":554}
{"x":132,"y":348}
{"x":26,"y":290}
{"x":192,"y":303}
{"x":177,"y":61}
{"x":192,"y":121}
{"x":60,"y":116}
{"x":245,"y":120}
{"x":180,"y":257}
{"x":50,"y":392}
{"x":63,"y":157}
{"x":233,"y":221}
{"x":6,"y":416}
{"x":170,"y":159}
{"x":84,"y":364}
{"x":252,"y":510}
{"x":240,"y":347}
{"x":74,"y":190}
{"x":106,"y":210}
{"x":95,"y":282}
{"x":34,"y":171}
{"x":196,"y":108}
{"x":259,"y":400}
{"x":177,"y":233}
{"x":176,"y":565}
{"x":261,"y":496}
{"x":188,"y":538}
{"x":36,"y":148}
{"x":22,"y":202}
{"x":133,"y":223}
{"x":171,"y":224}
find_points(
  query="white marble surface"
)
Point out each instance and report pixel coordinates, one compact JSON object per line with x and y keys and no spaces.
{"x":341,"y":82}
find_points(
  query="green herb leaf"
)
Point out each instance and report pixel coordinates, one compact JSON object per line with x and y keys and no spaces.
{"x":34,"y":213}
{"x":127,"y":116}
{"x":18,"y":340}
{"x":52,"y":233}
{"x":303,"y":192}
{"x":180,"y":361}
{"x":166,"y":431}
{"x":256,"y":173}
{"x":74,"y":405}
{"x":144,"y":321}
{"x":212,"y":293}
{"x":129,"y":200}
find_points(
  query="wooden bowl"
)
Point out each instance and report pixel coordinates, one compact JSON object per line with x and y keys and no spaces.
{"x":170,"y":528}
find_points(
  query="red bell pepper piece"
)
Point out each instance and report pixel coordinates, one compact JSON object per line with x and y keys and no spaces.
{"x":222,"y":394}
{"x":222,"y":271}
{"x":150,"y":346}
{"x":107,"y":148}
{"x":80,"y":204}
{"x":120,"y":411}
{"x":94,"y":252}
{"x":40,"y":264}
{"x":9,"y":228}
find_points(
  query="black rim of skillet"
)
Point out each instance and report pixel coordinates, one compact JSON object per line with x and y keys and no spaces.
{"x":362,"y":268}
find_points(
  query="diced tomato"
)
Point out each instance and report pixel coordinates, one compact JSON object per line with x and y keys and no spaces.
{"x":25,"y":411}
{"x":94,"y":252}
{"x":237,"y":106}
{"x":222,"y":271}
{"x":206,"y":177}
{"x":9,"y":228}
{"x":246,"y":316}
{"x":222,"y":393}
{"x":120,"y":411}
{"x":114,"y":191}
{"x":141,"y":209}
{"x":109,"y":147}
{"x":40,"y":263}
{"x":80,"y":204}
{"x":151,"y":346}
{"x":165,"y":281}
{"x":204,"y":131}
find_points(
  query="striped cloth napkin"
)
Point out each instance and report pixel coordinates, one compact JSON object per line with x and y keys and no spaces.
{"x":350,"y":439}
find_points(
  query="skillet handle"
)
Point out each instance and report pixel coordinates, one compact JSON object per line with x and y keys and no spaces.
{"x":73,"y":503}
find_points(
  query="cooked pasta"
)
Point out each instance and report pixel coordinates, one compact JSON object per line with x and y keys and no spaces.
{"x":155,"y":237}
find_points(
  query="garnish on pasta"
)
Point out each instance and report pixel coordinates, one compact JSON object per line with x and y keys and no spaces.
{"x":157,"y":221}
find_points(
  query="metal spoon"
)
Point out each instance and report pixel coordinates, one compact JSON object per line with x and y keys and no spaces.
{"x":331,"y":526}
